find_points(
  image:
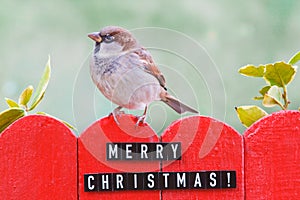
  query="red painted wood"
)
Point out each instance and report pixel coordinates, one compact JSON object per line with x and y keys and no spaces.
{"x":38,"y":157}
{"x":207,"y":144}
{"x":92,"y":155}
{"x":272,"y":157}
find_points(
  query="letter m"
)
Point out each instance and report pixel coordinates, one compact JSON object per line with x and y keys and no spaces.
{"x":112,"y":151}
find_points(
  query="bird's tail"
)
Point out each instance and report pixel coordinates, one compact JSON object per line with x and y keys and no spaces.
{"x":177,"y":105}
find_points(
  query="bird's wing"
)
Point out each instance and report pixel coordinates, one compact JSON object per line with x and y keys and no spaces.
{"x":149,"y":66}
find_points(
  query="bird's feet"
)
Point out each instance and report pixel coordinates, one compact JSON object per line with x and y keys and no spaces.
{"x":140,"y":119}
{"x":115,"y":113}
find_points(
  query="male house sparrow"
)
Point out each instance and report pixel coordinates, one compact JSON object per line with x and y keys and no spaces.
{"x":126,"y":74}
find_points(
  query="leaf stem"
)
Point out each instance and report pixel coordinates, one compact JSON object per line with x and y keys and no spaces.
{"x":285,"y":98}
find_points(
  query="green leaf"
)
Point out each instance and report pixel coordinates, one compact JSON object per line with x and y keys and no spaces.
{"x":26,"y":95}
{"x":272,"y":97}
{"x":10,"y":115}
{"x":251,"y":70}
{"x":249,"y":114}
{"x":40,"y":91}
{"x":280,"y":74}
{"x":258,"y":98}
{"x":262,"y":91}
{"x":295,"y":58}
{"x":66,"y":123}
{"x":11,"y":103}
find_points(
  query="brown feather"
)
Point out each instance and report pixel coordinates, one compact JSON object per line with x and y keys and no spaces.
{"x":178,"y":106}
{"x":150,"y":67}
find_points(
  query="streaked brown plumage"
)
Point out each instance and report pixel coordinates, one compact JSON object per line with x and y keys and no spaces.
{"x":126,"y":74}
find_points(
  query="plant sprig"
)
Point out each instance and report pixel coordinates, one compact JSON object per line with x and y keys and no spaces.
{"x":277,"y":76}
{"x":28,"y":100}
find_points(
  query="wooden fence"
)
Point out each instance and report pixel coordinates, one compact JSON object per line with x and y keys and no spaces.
{"x":42,"y":159}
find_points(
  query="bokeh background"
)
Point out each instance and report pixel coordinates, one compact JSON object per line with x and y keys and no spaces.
{"x":233,"y":33}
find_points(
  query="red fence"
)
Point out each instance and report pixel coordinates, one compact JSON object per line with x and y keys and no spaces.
{"x":42,"y":159}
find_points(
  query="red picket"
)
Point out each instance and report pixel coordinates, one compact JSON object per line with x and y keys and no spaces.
{"x":272,"y":157}
{"x":38,"y":157}
{"x":92,"y":155}
{"x":207,"y":144}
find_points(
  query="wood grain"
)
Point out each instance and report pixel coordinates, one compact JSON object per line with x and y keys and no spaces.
{"x":207,"y":144}
{"x":92,"y":155}
{"x":272,"y":159}
{"x":38,"y":157}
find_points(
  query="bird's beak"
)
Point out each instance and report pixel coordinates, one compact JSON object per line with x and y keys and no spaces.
{"x":95,"y":36}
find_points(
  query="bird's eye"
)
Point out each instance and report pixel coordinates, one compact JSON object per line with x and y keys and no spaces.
{"x":108,"y":38}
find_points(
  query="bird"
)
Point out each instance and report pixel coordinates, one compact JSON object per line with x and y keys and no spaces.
{"x":126,"y":74}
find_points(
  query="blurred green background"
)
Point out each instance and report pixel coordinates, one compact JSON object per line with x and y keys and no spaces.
{"x":234,"y":33}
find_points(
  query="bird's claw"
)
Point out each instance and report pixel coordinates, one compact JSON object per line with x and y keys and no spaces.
{"x":140,"y":119}
{"x":115,"y":113}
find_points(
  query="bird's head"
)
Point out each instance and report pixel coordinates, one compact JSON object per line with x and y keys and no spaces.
{"x":112,"y":40}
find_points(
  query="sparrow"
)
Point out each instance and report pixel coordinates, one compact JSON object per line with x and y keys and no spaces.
{"x":126,"y":74}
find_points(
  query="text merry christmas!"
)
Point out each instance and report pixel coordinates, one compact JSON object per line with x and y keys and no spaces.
{"x":159,"y":181}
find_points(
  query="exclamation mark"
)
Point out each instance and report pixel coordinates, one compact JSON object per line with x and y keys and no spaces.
{"x":228,"y":179}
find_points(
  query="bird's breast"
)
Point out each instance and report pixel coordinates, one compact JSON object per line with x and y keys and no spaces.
{"x":125,"y":83}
